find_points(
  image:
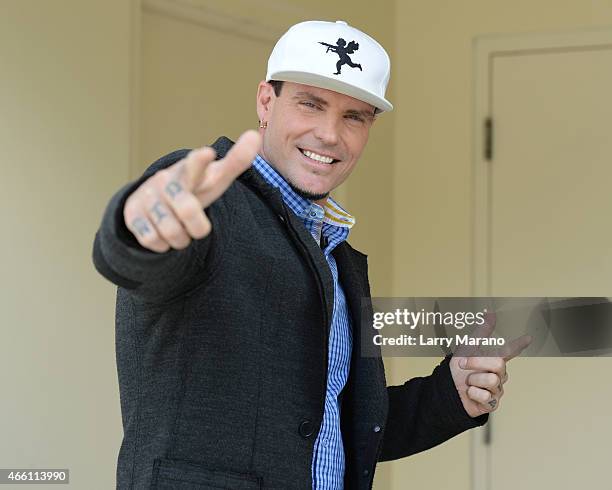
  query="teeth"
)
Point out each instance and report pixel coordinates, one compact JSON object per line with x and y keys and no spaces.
{"x":319,"y":158}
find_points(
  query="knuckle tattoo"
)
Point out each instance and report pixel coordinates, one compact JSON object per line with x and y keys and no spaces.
{"x":173,"y":188}
{"x":141,"y":226}
{"x":158,"y":210}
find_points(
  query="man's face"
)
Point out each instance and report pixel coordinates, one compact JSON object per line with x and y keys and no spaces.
{"x":311,"y":119}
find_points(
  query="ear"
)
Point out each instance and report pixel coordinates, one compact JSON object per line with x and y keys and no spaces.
{"x":265,"y":100}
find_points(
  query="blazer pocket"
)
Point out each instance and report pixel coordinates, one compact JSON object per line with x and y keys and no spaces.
{"x":170,"y":474}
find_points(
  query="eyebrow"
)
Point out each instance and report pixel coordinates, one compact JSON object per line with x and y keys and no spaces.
{"x":323,"y":102}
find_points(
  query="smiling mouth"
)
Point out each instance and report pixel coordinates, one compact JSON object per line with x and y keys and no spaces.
{"x":316,"y":159}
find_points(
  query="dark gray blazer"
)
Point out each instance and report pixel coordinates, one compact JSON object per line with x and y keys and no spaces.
{"x":222,"y":353}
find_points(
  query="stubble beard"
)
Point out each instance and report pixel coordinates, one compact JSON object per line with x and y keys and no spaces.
{"x":298,"y":190}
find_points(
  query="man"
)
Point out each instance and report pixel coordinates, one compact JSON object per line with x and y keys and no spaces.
{"x":239,"y":299}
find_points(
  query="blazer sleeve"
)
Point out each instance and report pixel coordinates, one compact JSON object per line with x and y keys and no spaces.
{"x":424,"y":412}
{"x":153,"y":276}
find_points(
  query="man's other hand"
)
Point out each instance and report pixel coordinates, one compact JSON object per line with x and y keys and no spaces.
{"x":480,"y":380}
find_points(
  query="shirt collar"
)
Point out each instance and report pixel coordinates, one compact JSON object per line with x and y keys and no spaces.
{"x":332,"y":213}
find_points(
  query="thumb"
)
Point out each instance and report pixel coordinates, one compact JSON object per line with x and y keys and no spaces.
{"x":238,"y":158}
{"x":221,"y":173}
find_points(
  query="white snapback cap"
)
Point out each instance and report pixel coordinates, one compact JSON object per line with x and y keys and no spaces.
{"x":333,"y":56}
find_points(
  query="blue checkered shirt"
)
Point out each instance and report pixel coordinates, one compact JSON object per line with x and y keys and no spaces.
{"x":332,"y":222}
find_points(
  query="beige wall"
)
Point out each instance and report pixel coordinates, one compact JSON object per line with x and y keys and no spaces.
{"x":64,"y":135}
{"x":432,"y":166}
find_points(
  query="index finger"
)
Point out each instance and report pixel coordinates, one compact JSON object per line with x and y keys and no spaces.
{"x":515,"y":347}
{"x":196,"y":163}
{"x":481,"y":331}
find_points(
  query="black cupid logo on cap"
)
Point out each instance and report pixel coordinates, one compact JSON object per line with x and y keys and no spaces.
{"x":342,"y":50}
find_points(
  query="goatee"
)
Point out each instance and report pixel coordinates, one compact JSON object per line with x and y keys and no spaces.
{"x":307,"y":194}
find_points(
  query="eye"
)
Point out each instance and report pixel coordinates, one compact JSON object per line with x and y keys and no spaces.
{"x":309,"y":104}
{"x":355,"y":117}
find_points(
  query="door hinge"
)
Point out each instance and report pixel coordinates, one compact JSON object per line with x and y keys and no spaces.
{"x":488,"y":139}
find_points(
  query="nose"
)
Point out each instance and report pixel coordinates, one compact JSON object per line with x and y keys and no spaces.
{"x":327,"y":130}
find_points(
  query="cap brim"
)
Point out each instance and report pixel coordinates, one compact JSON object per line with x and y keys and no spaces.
{"x":334,"y":84}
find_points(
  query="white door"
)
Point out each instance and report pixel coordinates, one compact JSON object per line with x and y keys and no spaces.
{"x":542,"y":228}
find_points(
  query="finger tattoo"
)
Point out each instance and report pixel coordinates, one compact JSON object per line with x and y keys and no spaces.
{"x":493,"y":403}
{"x":141,"y":226}
{"x":173,"y":188}
{"x":158,"y":210}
